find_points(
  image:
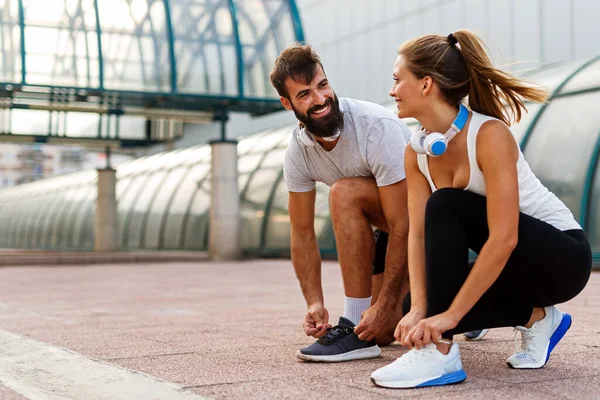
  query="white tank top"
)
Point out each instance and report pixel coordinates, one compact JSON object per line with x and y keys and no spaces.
{"x":535,"y":199}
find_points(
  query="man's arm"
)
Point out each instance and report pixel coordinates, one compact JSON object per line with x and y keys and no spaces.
{"x":305,"y":251}
{"x":307,"y":261}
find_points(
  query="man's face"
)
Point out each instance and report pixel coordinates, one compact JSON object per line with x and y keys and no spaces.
{"x":315,"y":104}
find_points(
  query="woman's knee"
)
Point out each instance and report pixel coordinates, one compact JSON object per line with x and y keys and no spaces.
{"x":453,"y":201}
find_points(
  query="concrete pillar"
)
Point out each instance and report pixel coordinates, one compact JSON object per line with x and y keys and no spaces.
{"x":224,"y":231}
{"x":105,"y":225}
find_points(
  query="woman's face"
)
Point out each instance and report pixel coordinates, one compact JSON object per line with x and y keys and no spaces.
{"x":407,"y":90}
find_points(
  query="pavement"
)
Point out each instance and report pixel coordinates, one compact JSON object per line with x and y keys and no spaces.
{"x":230,"y":330}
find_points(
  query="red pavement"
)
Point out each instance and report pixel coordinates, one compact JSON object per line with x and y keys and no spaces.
{"x":230,"y":330}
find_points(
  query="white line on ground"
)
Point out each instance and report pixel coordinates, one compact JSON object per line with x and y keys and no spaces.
{"x":40,"y":371}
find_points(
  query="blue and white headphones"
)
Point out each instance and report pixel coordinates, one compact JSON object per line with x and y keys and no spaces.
{"x":435,"y":144}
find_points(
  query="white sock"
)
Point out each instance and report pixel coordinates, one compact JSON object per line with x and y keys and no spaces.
{"x":353,"y":308}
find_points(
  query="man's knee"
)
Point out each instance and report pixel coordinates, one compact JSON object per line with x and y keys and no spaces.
{"x":355,"y":192}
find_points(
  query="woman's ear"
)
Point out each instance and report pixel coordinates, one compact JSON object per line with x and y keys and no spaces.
{"x":427,"y":85}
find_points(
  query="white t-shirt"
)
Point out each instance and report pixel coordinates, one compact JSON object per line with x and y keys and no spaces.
{"x":535,"y":199}
{"x":371,"y":144}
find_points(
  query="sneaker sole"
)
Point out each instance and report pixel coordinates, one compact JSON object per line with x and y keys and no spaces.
{"x":558,"y":334}
{"x":446,"y":379}
{"x":360,"y":354}
{"x":478,"y":337}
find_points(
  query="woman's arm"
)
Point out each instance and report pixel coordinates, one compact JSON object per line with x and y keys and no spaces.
{"x":418,"y":193}
{"x":497,"y":155}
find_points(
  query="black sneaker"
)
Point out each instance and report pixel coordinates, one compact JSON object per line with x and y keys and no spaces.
{"x":475,"y":335}
{"x":340,"y":343}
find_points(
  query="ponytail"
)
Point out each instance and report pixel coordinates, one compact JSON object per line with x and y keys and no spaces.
{"x":460,"y":66}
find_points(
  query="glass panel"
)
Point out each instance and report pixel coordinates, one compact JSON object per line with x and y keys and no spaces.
{"x":325,"y":237}
{"x":121,"y":187}
{"x":10,"y":45}
{"x":278,"y":223}
{"x":199,"y":154}
{"x":552,"y":75}
{"x":140,"y":209}
{"x":159,"y":208}
{"x":86,"y":242}
{"x":30,"y":211}
{"x":247,"y":142}
{"x":55,"y":235}
{"x":61,"y":43}
{"x":29,"y":122}
{"x":196,"y":223}
{"x":131,"y":127}
{"x":593,"y":222}
{"x":262,"y":27}
{"x":79,"y":200}
{"x":21,"y":222}
{"x":242,"y":181}
{"x":13,"y":220}
{"x":83,"y":124}
{"x":269,"y":141}
{"x":252,"y":207}
{"x":125,"y":205}
{"x":46,"y":219}
{"x":519,"y":129}
{"x":249,"y":162}
{"x":179,"y":206}
{"x":80,"y":234}
{"x":587,"y":79}
{"x":559,"y":160}
{"x":204,"y":47}
{"x":274,"y":158}
{"x":135,"y":45}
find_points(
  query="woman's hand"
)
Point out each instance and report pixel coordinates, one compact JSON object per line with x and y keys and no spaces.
{"x":408,"y":322}
{"x":430,"y":330}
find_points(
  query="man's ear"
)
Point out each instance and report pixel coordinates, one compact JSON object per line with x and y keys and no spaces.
{"x":286,"y":103}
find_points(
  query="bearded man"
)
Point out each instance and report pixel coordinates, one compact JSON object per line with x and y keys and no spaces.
{"x":356,"y":148}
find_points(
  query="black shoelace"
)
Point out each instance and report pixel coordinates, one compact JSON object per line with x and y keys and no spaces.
{"x":334,"y":334}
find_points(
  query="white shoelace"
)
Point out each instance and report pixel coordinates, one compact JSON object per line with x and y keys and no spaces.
{"x":526,"y":335}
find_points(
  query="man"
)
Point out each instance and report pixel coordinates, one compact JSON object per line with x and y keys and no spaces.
{"x":356,"y":148}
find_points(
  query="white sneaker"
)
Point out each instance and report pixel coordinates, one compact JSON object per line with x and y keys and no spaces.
{"x":537,"y":342}
{"x":419,"y":368}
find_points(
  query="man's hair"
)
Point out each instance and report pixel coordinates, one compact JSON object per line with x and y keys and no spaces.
{"x":299,"y":62}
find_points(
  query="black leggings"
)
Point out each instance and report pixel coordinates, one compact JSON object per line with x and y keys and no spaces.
{"x":547,"y":267}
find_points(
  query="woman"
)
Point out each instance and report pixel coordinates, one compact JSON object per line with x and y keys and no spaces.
{"x":476,"y":192}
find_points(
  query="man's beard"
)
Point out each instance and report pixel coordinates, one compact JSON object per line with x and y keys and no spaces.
{"x":327,"y":125}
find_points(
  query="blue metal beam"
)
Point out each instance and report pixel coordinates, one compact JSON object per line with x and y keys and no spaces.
{"x":171,"y":46}
{"x":22,"y":25}
{"x":100,"y":58}
{"x":238,"y":43}
{"x":296,"y":21}
{"x":587,"y":187}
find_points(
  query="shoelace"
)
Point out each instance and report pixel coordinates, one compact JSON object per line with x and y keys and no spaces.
{"x":526,"y":335}
{"x":335,"y":333}
{"x":414,"y":354}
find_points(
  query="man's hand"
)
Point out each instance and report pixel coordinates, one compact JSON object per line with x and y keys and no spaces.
{"x":374,"y":322}
{"x":407,"y":323}
{"x":316,"y":321}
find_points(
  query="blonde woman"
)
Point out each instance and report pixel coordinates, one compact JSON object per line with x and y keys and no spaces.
{"x":469,"y":187}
